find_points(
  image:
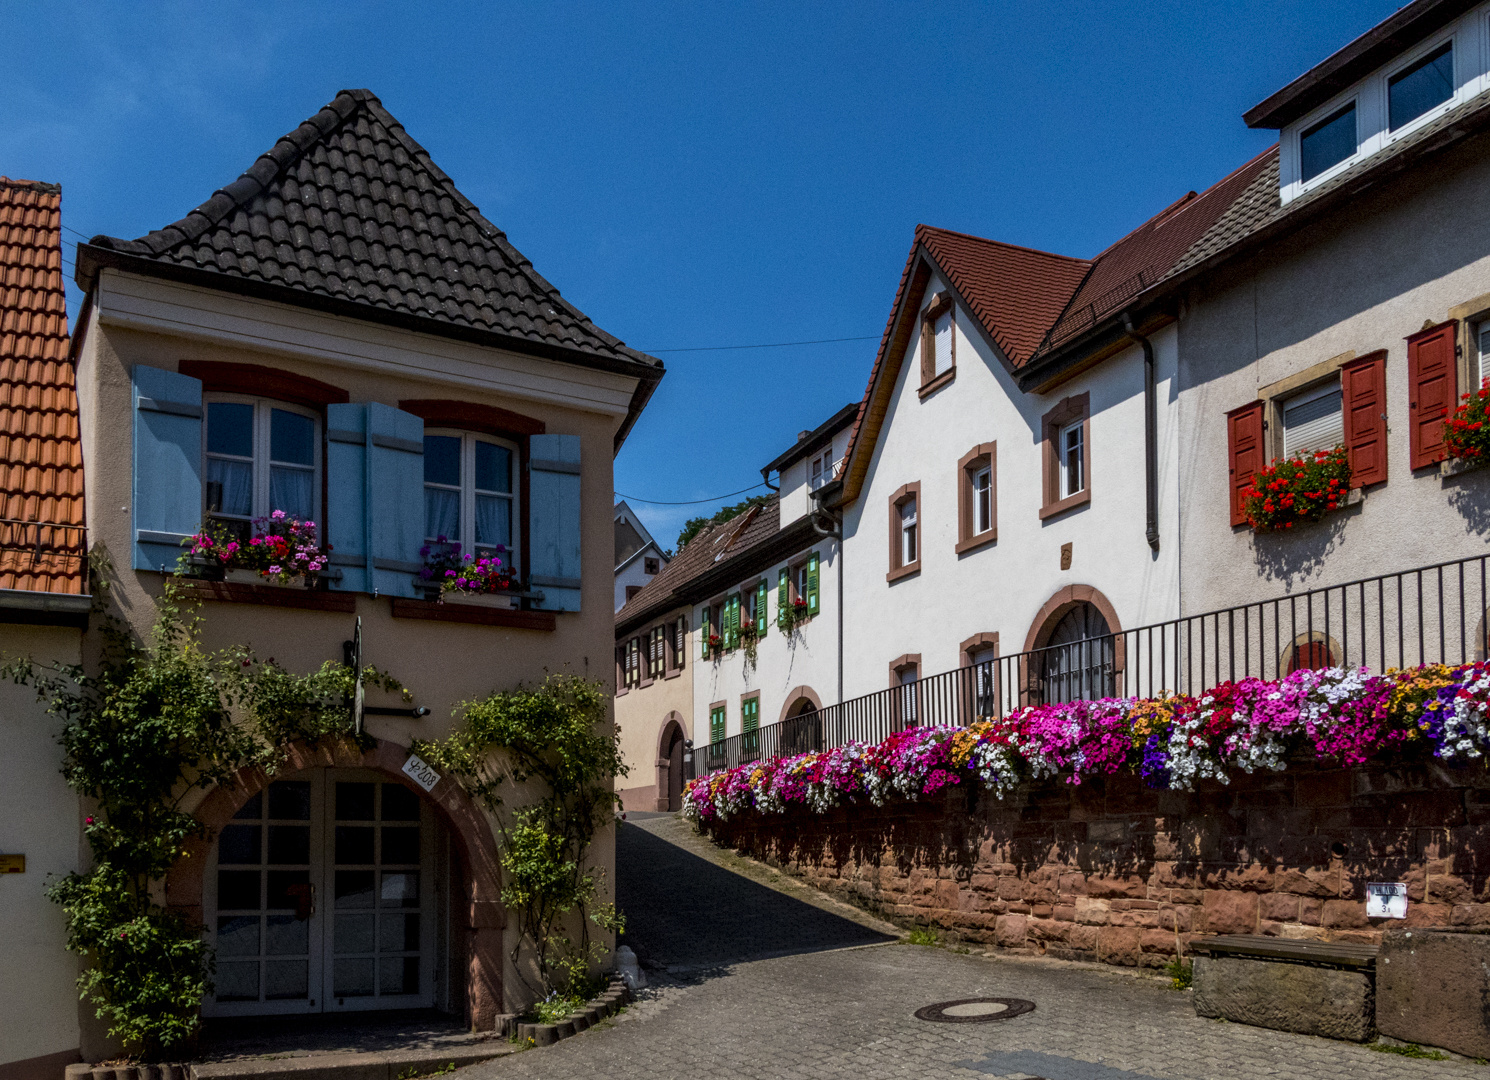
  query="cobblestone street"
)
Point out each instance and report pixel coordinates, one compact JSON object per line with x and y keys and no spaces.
{"x":753,"y":975}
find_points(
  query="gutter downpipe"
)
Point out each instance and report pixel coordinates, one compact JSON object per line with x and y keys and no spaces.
{"x":836,"y":534}
{"x":1150,"y":435}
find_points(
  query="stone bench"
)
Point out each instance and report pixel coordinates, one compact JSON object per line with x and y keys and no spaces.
{"x":1312,"y":987}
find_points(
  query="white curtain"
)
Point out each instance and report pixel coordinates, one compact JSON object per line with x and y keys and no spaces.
{"x":442,"y":513}
{"x":291,"y":490}
{"x":493,"y":521}
{"x":235,"y":481}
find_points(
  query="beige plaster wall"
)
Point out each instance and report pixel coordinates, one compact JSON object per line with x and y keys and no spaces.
{"x":1361,"y":279}
{"x":41,"y":819}
{"x":641,"y":714}
{"x":443,"y":664}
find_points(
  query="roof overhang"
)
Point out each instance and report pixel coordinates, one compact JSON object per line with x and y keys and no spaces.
{"x":1387,"y":39}
{"x":44,"y":609}
{"x":91,"y":258}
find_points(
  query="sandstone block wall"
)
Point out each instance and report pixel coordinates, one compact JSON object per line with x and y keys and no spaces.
{"x":1113,"y":871}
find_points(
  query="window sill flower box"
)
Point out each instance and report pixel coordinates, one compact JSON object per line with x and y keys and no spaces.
{"x":1466,"y":434}
{"x":486,"y":600}
{"x":1299,"y":490}
{"x":282,"y":552}
{"x":240,"y":576}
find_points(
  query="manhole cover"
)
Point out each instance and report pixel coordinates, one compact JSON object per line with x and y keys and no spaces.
{"x":975,"y":1010}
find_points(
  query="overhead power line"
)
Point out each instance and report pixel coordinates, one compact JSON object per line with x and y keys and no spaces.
{"x":771,"y":345}
{"x":689,"y":502}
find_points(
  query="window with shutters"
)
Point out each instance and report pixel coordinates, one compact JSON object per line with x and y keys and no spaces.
{"x":1311,"y":420}
{"x":905,"y":532}
{"x":260,"y":456}
{"x":1245,"y":454}
{"x":631,"y":663}
{"x":656,"y":652}
{"x":750,"y":725}
{"x":678,"y":644}
{"x":1066,"y":458}
{"x":977,"y":506}
{"x":471,"y":494}
{"x":938,"y":344}
{"x":717,"y":723}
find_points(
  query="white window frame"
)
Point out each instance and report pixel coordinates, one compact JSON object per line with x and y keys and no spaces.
{"x":260,"y":461}
{"x":910,"y":548}
{"x":982,"y":500}
{"x":1406,"y":61}
{"x":1353,"y":103}
{"x":1482,"y":361}
{"x":468,"y":492}
{"x":1303,"y":397}
{"x":821,"y":470}
{"x":1063,"y":458}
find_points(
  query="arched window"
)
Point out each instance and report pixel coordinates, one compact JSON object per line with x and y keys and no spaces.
{"x":1077,"y":662}
{"x":470,"y":492}
{"x":262,"y":455}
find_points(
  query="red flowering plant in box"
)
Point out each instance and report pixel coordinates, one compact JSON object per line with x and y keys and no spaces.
{"x":1466,"y":434}
{"x":281,"y":549}
{"x":1297,"y":490}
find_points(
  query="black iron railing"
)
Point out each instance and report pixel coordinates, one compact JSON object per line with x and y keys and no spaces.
{"x":1433,"y":614}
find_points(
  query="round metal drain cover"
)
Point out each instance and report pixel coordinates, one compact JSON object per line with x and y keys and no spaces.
{"x":975,"y":1010}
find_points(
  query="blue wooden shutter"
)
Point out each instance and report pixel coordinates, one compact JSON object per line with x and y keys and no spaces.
{"x":554,"y":520}
{"x":812,"y":578}
{"x":167,"y":499}
{"x":375,"y":485}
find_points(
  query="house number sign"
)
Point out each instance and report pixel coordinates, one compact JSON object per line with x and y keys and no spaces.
{"x":12,"y":864}
{"x":421,"y":772}
{"x":1386,"y":900}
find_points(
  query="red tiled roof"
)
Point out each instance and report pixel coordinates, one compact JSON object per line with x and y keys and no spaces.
{"x":1016,"y":292}
{"x":41,"y":458}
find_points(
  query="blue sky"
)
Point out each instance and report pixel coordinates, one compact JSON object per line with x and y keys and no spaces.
{"x":687,"y":174}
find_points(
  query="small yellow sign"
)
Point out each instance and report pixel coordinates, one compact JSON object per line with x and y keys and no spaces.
{"x":12,"y":864}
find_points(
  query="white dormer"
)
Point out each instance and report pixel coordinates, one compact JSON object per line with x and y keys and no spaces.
{"x":1439,"y":72}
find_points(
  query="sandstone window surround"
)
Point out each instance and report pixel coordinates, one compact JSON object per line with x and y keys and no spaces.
{"x":977,"y":497}
{"x":905,"y":532}
{"x":905,"y":678}
{"x":938,"y":344}
{"x":981,"y":652}
{"x":1066,"y":456}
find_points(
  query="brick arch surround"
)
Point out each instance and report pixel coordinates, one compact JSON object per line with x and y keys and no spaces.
{"x":481,"y":935}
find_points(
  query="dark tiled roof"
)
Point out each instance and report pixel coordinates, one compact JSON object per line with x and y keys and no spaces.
{"x":1147,"y":254}
{"x":41,"y":458}
{"x":712,"y":545}
{"x":1015,"y":292}
{"x":349,"y":207}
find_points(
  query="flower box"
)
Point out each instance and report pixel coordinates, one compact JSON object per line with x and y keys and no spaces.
{"x":469,"y":599}
{"x":240,"y":576}
{"x":1298,"y":491}
{"x":1466,"y":433}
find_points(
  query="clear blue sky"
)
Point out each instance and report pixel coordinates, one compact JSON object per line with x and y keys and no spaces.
{"x":688,"y":174}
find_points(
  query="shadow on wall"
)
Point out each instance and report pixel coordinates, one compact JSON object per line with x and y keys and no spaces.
{"x":692,"y":917}
{"x":1297,"y":555}
{"x":1469,"y":494}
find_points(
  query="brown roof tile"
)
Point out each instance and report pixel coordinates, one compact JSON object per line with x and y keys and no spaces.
{"x":41,"y":459}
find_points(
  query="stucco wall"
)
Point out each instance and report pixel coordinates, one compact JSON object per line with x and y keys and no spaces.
{"x":41,"y":819}
{"x":1001,"y":587}
{"x":641,"y":714}
{"x":1362,"y":279}
{"x":794,"y":480}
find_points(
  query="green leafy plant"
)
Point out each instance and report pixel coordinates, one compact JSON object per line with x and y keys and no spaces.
{"x":923,"y":935}
{"x":1466,"y":434}
{"x":553,"y":740}
{"x":1410,"y":1050}
{"x":1297,"y":490}
{"x":1181,"y":973}
{"x":155,"y":721}
{"x":413,"y":1073}
{"x":793,"y":615}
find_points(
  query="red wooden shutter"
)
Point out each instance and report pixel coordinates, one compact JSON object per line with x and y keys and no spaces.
{"x":1364,"y":386}
{"x":1432,"y":387}
{"x":1244,"y":453}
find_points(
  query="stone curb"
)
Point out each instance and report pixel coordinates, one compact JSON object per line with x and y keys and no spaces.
{"x":379,"y":1065}
{"x":595,"y":1010}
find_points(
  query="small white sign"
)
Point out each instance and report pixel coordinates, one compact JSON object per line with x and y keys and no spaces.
{"x":1386,"y":900}
{"x":422,"y":773}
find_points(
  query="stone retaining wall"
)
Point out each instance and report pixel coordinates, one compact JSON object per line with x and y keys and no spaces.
{"x":1112,"y":871}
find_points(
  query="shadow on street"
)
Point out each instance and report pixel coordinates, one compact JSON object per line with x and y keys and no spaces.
{"x":685,"y":914}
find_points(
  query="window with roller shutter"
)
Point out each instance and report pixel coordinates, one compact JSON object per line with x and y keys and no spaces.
{"x":1432,"y":390}
{"x":1312,"y":420}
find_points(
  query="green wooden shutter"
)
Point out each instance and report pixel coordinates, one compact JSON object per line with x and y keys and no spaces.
{"x":734,"y":622}
{"x":783,"y":593}
{"x":812,"y":561}
{"x":716,"y":726}
{"x":761,"y":607}
{"x":703,"y":632}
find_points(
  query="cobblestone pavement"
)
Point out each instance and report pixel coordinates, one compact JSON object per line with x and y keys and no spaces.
{"x":842,"y":1011}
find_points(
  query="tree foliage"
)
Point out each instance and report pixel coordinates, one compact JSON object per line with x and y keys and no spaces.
{"x":694,"y":526}
{"x":553,"y":740}
{"x":156,"y":721}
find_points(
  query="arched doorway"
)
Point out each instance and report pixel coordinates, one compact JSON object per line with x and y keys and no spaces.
{"x":801,"y":723}
{"x":670,"y":778}
{"x":338,"y":885}
{"x":1075,"y":648}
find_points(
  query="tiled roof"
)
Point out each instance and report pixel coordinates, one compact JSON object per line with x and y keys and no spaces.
{"x":41,"y":459}
{"x":1148,"y":253}
{"x":712,"y":545}
{"x":349,"y":207}
{"x":1015,"y":292}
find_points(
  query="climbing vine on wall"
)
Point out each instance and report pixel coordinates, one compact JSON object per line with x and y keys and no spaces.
{"x":142,"y":729}
{"x":552,"y":741}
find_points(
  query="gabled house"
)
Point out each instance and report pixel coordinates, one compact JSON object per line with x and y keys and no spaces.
{"x":639,"y":558}
{"x":339,"y":335}
{"x":44,"y":607}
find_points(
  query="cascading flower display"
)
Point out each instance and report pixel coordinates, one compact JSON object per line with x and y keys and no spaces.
{"x":282,"y":548}
{"x":1342,"y":715}
{"x":1466,"y":433}
{"x":1297,"y":490}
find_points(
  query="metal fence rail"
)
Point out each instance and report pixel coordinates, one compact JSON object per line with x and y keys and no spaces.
{"x":1432,"y":614}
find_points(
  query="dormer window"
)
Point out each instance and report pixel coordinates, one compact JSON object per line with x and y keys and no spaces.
{"x":1327,"y":143}
{"x":821,"y":471}
{"x":938,"y":344}
{"x":1420,"y":86}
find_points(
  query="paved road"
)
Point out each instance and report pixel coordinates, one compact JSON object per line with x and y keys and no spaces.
{"x":765,"y":984}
